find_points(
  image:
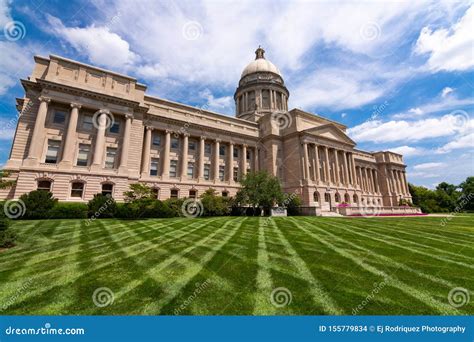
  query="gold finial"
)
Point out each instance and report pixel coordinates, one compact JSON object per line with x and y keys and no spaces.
{"x":260,"y":53}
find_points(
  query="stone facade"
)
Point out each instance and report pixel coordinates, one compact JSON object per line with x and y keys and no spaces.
{"x":83,"y":130}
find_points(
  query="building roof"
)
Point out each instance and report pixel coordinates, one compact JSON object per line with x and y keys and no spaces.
{"x":260,"y":64}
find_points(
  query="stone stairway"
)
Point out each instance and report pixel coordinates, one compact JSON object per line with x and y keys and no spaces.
{"x":330,"y":214}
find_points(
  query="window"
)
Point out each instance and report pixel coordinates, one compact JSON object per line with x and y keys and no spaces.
{"x":208,"y":148}
{"x":191,"y":170}
{"x":337,"y":198}
{"x":156,"y":140}
{"x":347,"y":198}
{"x":175,"y":143}
{"x":316,"y":196}
{"x":265,"y":99}
{"x":59,"y":117}
{"x":173,"y":168}
{"x":225,"y":193}
{"x":222,"y":150}
{"x":107,"y":189}
{"x":174,"y":193}
{"x":354,"y":199}
{"x":53,"y":151}
{"x":44,"y":185}
{"x":83,"y":155}
{"x":154,"y":167}
{"x":248,"y":155}
{"x":155,"y":192}
{"x":207,"y":171}
{"x":221,"y":172}
{"x":236,"y":174}
{"x":87,"y":124}
{"x":192,"y":145}
{"x":192,"y":193}
{"x":110,"y":157}
{"x":327,"y":197}
{"x":115,"y":128}
{"x":77,"y":189}
{"x":236,"y":153}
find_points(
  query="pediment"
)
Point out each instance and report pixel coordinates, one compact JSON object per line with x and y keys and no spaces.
{"x":331,"y":132}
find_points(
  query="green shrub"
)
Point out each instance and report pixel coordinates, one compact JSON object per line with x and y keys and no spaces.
{"x":102,"y":206}
{"x":38,"y":204}
{"x":292,"y":203}
{"x":7,"y":236}
{"x":214,"y":205}
{"x":68,"y":210}
{"x":175,"y":205}
{"x":144,"y":208}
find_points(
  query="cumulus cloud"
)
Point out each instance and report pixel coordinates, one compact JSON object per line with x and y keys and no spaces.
{"x":428,"y":166}
{"x":224,"y":104}
{"x":446,"y":91}
{"x":408,"y":151}
{"x":449,"y":49}
{"x":466,"y":141}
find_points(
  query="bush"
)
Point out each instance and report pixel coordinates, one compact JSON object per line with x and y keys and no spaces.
{"x":102,"y":206}
{"x":68,"y":210}
{"x":175,"y":205}
{"x":38,"y":204}
{"x":292,"y":203}
{"x":214,"y":205}
{"x":144,"y":208}
{"x":7,"y":236}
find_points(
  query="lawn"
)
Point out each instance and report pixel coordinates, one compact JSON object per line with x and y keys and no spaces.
{"x":239,"y":266}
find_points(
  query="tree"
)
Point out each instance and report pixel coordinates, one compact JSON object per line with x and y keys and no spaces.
{"x":138,"y":191}
{"x":467,"y":193}
{"x":38,"y":203}
{"x":6,"y":183}
{"x":214,"y":205}
{"x":102,"y":206}
{"x":260,"y":189}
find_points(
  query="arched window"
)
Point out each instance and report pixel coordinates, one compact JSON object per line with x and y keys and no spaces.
{"x":225,"y":194}
{"x":347,"y":198}
{"x":77,"y":189}
{"x":107,"y":189}
{"x":44,"y":185}
{"x":316,"y":196}
{"x":174,"y":193}
{"x":337,"y":197}
{"x":354,"y":199}
{"x":379,"y":201}
{"x":155,"y":192}
{"x":327,"y":197}
{"x":192,"y":193}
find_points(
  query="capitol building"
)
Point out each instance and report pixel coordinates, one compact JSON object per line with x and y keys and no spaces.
{"x":83,"y":130}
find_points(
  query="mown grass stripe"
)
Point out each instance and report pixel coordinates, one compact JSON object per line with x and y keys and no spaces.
{"x":389,"y":279}
{"x":319,"y":295}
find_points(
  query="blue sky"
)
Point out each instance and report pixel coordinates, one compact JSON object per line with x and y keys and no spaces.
{"x":398,"y":74}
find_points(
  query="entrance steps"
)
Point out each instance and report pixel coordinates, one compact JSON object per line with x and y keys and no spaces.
{"x":330,"y":214}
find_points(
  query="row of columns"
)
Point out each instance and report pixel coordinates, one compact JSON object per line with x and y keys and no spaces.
{"x":243,"y":100}
{"x":326,"y":166}
{"x":215,"y":158}
{"x":70,"y":139}
{"x":368,"y":179}
{"x":397,"y":182}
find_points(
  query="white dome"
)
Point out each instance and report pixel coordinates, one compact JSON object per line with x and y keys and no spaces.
{"x":260,"y":65}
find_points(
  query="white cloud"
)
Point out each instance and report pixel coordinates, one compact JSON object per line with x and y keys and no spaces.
{"x":7,"y":128}
{"x":343,"y":115}
{"x":466,"y":141}
{"x":446,"y":91}
{"x":449,"y":49}
{"x":4,"y":12}
{"x":223,"y":104}
{"x":102,"y":46}
{"x":15,"y":62}
{"x":428,"y":166}
{"x":408,"y":151}
{"x":445,"y":103}
{"x":402,"y":130}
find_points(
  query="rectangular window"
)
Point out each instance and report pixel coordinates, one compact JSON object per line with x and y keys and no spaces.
{"x":222,"y":150}
{"x":192,"y":145}
{"x":236,"y":152}
{"x":236,"y":174}
{"x":192,"y":193}
{"x":207,"y":171}
{"x":208,"y":148}
{"x":175,"y":143}
{"x":107,"y":189}
{"x":77,"y":189}
{"x":249,"y":154}
{"x":115,"y":128}
{"x":174,"y":193}
{"x":83,"y":155}
{"x":53,"y":151}
{"x":110,"y":157}
{"x":173,"y":168}
{"x":221,"y":172}
{"x":190,"y":170}
{"x":59,"y":117}
{"x":87,"y":124}
{"x":156,"y":140}
{"x":154,"y":167}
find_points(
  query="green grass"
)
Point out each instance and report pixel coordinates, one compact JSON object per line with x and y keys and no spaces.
{"x":231,"y":265}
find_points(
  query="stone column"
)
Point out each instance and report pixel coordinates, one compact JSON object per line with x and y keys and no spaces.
{"x":202,"y":148}
{"x":100,"y":139}
{"x":37,"y":138}
{"x":126,"y":143}
{"x":230,"y":163}
{"x":336,"y":159}
{"x":326,"y":165}
{"x":356,"y":181}
{"x":407,"y":189}
{"x":369,"y":180}
{"x":395,"y":182}
{"x":166,"y":156}
{"x":243,"y":160}
{"x":146,"y":151}
{"x":306,"y":162}
{"x":184,"y":157}
{"x":316,"y":156}
{"x":216,"y":160}
{"x":70,"y":140}
{"x":256,"y":160}
{"x":377,"y":185}
{"x":364,"y":178}
{"x":346,"y":168}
